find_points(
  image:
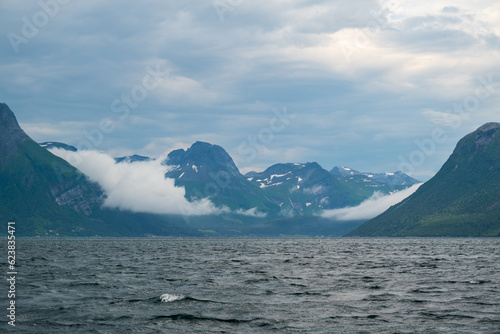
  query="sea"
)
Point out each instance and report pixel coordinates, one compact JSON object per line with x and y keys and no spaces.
{"x":245,"y":285}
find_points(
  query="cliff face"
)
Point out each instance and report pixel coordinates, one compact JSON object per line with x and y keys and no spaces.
{"x":462,"y":199}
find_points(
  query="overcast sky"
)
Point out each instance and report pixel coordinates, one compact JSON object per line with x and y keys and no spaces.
{"x":372,"y":85}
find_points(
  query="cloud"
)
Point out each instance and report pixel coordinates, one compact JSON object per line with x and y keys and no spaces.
{"x":370,"y":207}
{"x":142,"y":186}
{"x":55,"y":131}
{"x":138,"y":186}
{"x":443,"y":118}
{"x":406,"y":56}
{"x":253,"y":212}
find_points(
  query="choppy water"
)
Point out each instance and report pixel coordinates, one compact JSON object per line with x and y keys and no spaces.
{"x":257,"y":286}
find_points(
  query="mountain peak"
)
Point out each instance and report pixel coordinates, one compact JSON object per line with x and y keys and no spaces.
{"x":8,"y":124}
{"x":201,"y":153}
{"x":11,"y":134}
{"x":489,"y":126}
{"x":484,"y":134}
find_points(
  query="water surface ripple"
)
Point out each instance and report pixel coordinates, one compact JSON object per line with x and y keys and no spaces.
{"x":257,"y":286}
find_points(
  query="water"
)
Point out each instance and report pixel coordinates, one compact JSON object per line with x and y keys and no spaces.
{"x":257,"y":286}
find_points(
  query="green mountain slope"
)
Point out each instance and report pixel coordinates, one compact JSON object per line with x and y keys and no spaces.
{"x":38,"y":189}
{"x":462,"y":199}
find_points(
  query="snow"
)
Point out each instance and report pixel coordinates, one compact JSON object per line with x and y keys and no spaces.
{"x":299,"y":179}
{"x":369,"y":175}
{"x":278,"y":175}
{"x":195,"y":168}
{"x":346,"y":168}
{"x":389,"y":173}
{"x":308,"y":204}
{"x":181,"y":175}
{"x":298,"y":187}
{"x":263,"y":185}
{"x":250,"y":179}
{"x":172,"y":168}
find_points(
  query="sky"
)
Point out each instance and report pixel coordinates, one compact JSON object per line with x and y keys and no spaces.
{"x":376,"y":86}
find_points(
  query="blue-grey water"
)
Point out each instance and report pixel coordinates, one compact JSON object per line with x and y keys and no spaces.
{"x":256,"y":286}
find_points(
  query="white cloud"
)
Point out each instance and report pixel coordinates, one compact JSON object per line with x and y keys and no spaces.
{"x":56,"y":131}
{"x":141,"y":186}
{"x":370,"y":207}
{"x":178,"y":88}
{"x":253,"y":212}
{"x":442,"y":118}
{"x":137,"y":187}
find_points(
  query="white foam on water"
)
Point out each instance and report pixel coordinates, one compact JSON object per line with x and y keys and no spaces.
{"x":167,"y":298}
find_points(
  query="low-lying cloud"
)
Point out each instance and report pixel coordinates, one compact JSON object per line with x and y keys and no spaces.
{"x":137,"y":186}
{"x":370,"y":207}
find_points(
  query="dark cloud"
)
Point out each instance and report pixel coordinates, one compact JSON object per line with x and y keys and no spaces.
{"x":227,"y":69}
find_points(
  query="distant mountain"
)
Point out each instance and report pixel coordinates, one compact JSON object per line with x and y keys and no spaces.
{"x":207,"y":170}
{"x":392,"y":179}
{"x":127,"y":159}
{"x":304,"y":189}
{"x":307,"y":189}
{"x":133,"y":158}
{"x":51,"y":145}
{"x":462,"y":199}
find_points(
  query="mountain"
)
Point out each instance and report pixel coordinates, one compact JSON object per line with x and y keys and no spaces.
{"x":396,"y":179}
{"x":132,"y":158}
{"x":38,"y":188}
{"x":462,"y":199}
{"x":127,"y":159}
{"x":307,"y":189}
{"x":51,"y":145}
{"x":45,"y":195}
{"x":207,"y":170}
{"x":304,"y":189}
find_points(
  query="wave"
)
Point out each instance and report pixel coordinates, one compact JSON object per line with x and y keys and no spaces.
{"x":168,"y":298}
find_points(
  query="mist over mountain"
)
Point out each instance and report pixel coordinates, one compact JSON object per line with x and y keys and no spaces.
{"x":200,"y":190}
{"x":207,"y":172}
{"x":45,"y":195}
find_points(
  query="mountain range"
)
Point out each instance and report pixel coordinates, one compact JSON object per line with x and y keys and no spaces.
{"x":282,"y":190}
{"x":48,"y":196}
